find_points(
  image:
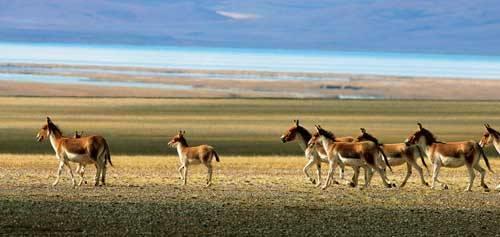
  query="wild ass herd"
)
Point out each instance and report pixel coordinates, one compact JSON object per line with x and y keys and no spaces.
{"x":364,"y":151}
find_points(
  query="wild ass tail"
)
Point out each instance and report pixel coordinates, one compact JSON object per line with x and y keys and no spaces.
{"x":484,"y":157}
{"x":216,"y":156}
{"x":107,"y":154}
{"x":385,"y":158}
{"x":421,"y":154}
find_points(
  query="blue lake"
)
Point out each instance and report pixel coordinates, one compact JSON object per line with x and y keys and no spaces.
{"x":395,"y":64}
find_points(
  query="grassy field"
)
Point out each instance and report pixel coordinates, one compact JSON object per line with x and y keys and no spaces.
{"x":233,"y":126}
{"x":250,"y":196}
{"x":259,"y":188}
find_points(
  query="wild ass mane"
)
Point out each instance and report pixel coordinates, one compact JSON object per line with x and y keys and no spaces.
{"x":306,"y":135}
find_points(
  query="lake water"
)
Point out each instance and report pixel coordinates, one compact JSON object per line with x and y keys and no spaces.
{"x":433,"y":65}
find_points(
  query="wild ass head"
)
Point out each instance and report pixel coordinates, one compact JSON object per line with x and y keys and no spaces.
{"x":179,"y":138}
{"x":292,"y":132}
{"x":489,"y":136}
{"x":46,"y":130}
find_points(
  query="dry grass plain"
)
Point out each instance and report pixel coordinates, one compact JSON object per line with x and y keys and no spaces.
{"x":251,"y":196}
{"x":259,"y":188}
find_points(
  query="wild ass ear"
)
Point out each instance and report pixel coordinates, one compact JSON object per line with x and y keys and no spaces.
{"x":48,"y":120}
{"x":419,"y":125}
{"x":296,"y":122}
{"x":183,"y":132}
{"x":363,"y":130}
{"x":317,"y":127}
{"x":487,"y":125}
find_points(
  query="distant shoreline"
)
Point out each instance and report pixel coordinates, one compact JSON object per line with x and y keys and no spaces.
{"x":114,"y":81}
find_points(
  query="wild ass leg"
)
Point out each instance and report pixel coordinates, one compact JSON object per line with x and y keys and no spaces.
{"x":381,"y":172}
{"x":472,"y":176}
{"x":318,"y":172}
{"x":341,"y":170}
{"x":97,"y":174}
{"x":310,"y":162}
{"x":70,"y":172}
{"x":435,"y":174}
{"x":209,"y":177}
{"x":180,"y":172}
{"x":103,"y":174}
{"x":419,"y":170}
{"x":59,"y":171}
{"x":80,"y":170}
{"x":355,"y":176}
{"x":368,"y":176}
{"x":332,"y":165}
{"x":483,"y":174}
{"x":408,"y":174}
{"x":185,"y":172}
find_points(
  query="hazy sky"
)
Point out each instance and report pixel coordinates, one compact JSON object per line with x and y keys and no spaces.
{"x":458,"y":26}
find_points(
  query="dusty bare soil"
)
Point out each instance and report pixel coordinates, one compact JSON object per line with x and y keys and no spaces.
{"x":251,"y":196}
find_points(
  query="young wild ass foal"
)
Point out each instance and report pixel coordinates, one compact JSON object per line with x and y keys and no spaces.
{"x":355,"y":154}
{"x":315,"y":155}
{"x":83,"y":150}
{"x":451,"y":155}
{"x":399,"y":154}
{"x":202,"y":154}
{"x":491,"y":136}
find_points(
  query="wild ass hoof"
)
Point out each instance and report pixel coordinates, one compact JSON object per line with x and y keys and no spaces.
{"x":467,"y":190}
{"x":426,"y":184}
{"x":352,"y":184}
{"x":208,"y":185}
{"x":318,"y":184}
{"x":485,"y":188}
{"x":323,"y":187}
{"x":313,"y":181}
{"x":394,"y":185}
{"x":445,"y":187}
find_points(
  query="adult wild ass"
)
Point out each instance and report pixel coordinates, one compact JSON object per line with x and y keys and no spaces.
{"x":491,"y":136}
{"x":316,"y":154}
{"x":451,"y":155}
{"x":399,"y":154}
{"x":83,"y":150}
{"x":202,"y":154}
{"x":355,"y":154}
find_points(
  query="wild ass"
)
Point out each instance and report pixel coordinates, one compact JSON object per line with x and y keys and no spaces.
{"x":399,"y":154}
{"x":491,"y":136}
{"x":202,"y":154}
{"x":355,"y":154}
{"x":315,"y":155}
{"x":84,"y":150}
{"x":451,"y":155}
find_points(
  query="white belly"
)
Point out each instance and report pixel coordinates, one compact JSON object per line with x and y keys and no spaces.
{"x":193,"y":161}
{"x":452,"y":162}
{"x":352,"y":161}
{"x":79,"y":158}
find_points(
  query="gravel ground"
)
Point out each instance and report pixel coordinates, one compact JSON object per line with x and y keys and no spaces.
{"x":251,"y":196}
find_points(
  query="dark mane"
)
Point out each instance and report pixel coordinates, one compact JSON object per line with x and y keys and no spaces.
{"x":53,"y":128}
{"x":326,"y":134}
{"x":183,"y":141}
{"x":304,"y":133}
{"x":429,"y":137}
{"x":493,"y":132}
{"x":368,"y":137}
